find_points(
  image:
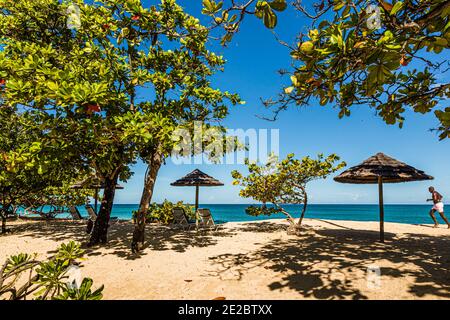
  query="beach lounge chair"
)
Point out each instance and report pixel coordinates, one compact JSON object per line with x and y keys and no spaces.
{"x":75,"y":213}
{"x":93,"y":214}
{"x":206,"y":219}
{"x":93,"y":217}
{"x":180,"y":219}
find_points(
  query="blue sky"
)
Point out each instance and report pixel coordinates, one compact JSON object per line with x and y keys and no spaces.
{"x":253,"y":59}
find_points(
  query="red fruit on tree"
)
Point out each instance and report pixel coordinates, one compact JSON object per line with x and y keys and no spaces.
{"x":91,"y":108}
{"x":2,"y":82}
{"x":404,"y":61}
{"x":135,"y":18}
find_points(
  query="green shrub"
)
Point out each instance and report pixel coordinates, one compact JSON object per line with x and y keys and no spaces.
{"x":48,"y":279}
{"x":163,"y":212}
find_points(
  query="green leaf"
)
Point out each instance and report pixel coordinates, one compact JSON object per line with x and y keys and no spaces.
{"x":278,"y":5}
{"x":288,"y":90}
{"x":396,"y":8}
{"x":307,"y":47}
{"x":269,"y":18}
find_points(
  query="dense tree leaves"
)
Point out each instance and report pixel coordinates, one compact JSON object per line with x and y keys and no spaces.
{"x":88,"y":81}
{"x":33,"y":165}
{"x":230,"y":17}
{"x":283,"y":182}
{"x":390,"y":55}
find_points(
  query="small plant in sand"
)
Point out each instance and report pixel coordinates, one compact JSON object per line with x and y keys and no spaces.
{"x":22,"y":276}
{"x":283,"y":182}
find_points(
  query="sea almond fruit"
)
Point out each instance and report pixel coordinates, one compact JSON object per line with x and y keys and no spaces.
{"x":93,"y":108}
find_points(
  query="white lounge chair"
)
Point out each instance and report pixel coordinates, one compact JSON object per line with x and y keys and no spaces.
{"x":206,"y":219}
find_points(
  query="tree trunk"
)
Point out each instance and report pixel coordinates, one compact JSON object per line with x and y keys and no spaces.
{"x":4,"y":212}
{"x":3,"y":223}
{"x":288,"y":216}
{"x":305,"y":203}
{"x":147,"y":193}
{"x":100,"y":232}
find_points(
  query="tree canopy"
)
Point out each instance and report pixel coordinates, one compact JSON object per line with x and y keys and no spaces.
{"x":390,"y":55}
{"x":33,"y":166}
{"x":283,"y":182}
{"x":111,"y":79}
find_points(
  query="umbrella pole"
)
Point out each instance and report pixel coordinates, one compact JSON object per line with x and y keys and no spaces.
{"x":96,"y":200}
{"x":380,"y":194}
{"x":196,"y":203}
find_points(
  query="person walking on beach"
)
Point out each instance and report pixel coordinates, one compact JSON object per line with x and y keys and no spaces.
{"x":438,"y":206}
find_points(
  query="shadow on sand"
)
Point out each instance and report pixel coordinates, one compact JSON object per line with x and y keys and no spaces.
{"x":311,"y":264}
{"x":158,"y":237}
{"x":327,"y":263}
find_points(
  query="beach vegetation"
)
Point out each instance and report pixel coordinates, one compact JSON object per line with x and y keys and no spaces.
{"x":34,"y":168}
{"x":84,"y":81}
{"x":162,"y":212}
{"x":53,"y":201}
{"x":277,"y":183}
{"x":58,"y":278}
{"x":390,"y":55}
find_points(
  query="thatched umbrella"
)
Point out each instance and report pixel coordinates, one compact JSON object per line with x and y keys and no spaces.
{"x":92,"y":183}
{"x":198,"y":179}
{"x":378,"y":169}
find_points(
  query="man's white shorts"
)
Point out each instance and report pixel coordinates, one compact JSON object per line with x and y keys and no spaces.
{"x":439,"y":207}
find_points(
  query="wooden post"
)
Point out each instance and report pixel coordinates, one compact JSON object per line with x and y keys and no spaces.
{"x":196,"y":203}
{"x":96,"y":200}
{"x":380,"y":195}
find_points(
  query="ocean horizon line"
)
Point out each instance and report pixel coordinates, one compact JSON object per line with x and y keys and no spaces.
{"x":299,"y":204}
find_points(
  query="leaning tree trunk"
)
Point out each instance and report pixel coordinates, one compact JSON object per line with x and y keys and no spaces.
{"x":305,"y":203}
{"x":100,"y":232}
{"x":147,"y":193}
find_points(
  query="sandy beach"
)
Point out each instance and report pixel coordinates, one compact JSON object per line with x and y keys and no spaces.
{"x":256,"y":260}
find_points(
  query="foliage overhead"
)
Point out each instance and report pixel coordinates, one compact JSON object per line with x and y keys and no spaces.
{"x":88,"y":78}
{"x":115,"y":86}
{"x":390,"y":55}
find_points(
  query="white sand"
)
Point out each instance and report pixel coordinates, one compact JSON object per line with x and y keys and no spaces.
{"x":256,"y":260}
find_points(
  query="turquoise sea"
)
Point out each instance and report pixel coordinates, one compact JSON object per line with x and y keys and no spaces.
{"x":412,"y":214}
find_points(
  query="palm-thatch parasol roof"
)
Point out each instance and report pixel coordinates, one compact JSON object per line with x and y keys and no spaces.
{"x":378,"y":169}
{"x":197,"y":178}
{"x":92,"y":183}
{"x":390,"y":169}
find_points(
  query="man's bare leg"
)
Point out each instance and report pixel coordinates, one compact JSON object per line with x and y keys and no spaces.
{"x":436,"y":224}
{"x":444,"y":218}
